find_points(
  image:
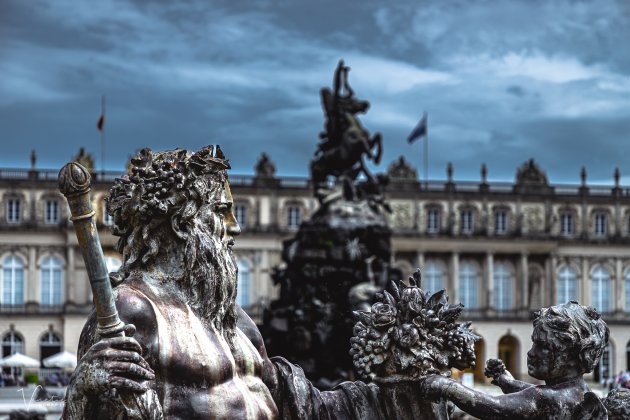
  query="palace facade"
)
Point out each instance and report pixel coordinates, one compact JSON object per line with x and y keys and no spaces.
{"x":502,"y":249}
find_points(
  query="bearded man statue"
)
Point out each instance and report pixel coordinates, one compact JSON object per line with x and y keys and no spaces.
{"x":189,"y":351}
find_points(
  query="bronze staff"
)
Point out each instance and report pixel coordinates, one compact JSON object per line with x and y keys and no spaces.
{"x":74,"y":183}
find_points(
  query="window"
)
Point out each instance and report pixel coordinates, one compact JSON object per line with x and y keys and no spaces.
{"x":468,"y":285}
{"x":601,"y":289}
{"x":108,"y":219}
{"x":628,"y":292}
{"x":51,"y":281}
{"x":567,"y":285}
{"x":12,"y":281}
{"x":502,"y":287}
{"x":244,"y":280}
{"x":12,"y":343}
{"x":601,"y":224}
{"x":467,"y":221}
{"x":294,"y":217}
{"x":604,"y":368}
{"x":240,"y":212}
{"x":112,"y":263}
{"x":500,"y":222}
{"x":433,"y":277}
{"x":51,"y":213}
{"x":433,"y":221}
{"x":13,"y":210}
{"x":49,"y":345}
{"x":566,"y":224}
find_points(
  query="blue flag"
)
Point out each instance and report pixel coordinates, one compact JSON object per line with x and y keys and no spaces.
{"x":420,"y":130}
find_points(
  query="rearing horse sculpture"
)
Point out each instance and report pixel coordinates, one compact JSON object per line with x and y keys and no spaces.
{"x":345,"y":141}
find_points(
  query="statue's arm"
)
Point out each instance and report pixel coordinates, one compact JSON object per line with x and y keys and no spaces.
{"x":114,"y":378}
{"x":501,"y":377}
{"x":522,"y":404}
{"x":297,"y":398}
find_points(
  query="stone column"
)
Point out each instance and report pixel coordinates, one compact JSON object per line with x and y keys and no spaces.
{"x":419,"y":261}
{"x":489,"y":286}
{"x":524,"y":280}
{"x":553,"y":281}
{"x":546,"y":284}
{"x":618,"y":296}
{"x":454,"y":284}
{"x":585,"y":287}
{"x":32,"y":291}
{"x":70,"y":283}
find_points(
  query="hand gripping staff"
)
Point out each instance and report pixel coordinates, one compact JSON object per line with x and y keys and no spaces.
{"x":75,"y":184}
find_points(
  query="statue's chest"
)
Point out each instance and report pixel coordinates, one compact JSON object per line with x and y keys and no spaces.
{"x":197,"y":355}
{"x":202,"y":376}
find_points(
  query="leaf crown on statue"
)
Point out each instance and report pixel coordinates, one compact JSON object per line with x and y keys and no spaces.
{"x":159,"y":182}
{"x":410,"y":333}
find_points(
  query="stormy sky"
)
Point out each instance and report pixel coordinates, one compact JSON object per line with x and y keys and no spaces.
{"x":502,"y":81}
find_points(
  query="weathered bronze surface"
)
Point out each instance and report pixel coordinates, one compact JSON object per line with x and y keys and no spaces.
{"x":189,"y":352}
{"x":74,"y":183}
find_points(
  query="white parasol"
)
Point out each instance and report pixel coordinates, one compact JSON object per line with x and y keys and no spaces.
{"x":19,"y":360}
{"x":64,"y":360}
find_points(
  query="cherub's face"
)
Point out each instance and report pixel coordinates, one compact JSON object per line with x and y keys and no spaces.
{"x":544,"y":360}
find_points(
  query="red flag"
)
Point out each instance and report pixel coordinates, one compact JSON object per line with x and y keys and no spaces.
{"x":101,"y":123}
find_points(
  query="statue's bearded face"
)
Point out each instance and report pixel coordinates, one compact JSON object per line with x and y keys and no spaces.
{"x":210,"y":264}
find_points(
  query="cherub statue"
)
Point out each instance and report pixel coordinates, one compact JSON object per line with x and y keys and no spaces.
{"x":568,"y":341}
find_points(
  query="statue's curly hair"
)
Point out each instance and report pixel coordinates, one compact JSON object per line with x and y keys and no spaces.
{"x":164,"y":186}
{"x":576,"y":328}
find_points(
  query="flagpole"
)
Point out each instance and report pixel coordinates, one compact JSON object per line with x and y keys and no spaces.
{"x":103,"y":138}
{"x":426,"y":158}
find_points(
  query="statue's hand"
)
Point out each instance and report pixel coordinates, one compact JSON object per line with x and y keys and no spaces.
{"x":495,"y":369}
{"x":113,"y":363}
{"x":433,"y":387}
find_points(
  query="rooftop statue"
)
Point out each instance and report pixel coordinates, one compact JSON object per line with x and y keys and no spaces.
{"x":568,"y":341}
{"x":345,"y":142}
{"x":167,"y":339}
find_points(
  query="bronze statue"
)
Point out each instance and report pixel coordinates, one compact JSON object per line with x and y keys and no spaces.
{"x":568,"y":341}
{"x":186,"y":350}
{"x":345,"y":142}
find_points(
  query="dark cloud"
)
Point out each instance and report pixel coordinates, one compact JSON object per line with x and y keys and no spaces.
{"x":502,"y":81}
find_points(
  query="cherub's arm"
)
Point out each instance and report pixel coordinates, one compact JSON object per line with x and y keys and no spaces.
{"x":502,"y":378}
{"x":519,"y":405}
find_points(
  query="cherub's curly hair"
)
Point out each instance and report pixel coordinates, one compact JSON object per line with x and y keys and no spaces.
{"x":161,"y":187}
{"x":578,"y":329}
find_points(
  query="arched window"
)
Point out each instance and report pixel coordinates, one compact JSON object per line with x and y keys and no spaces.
{"x":468,"y":284}
{"x":433,"y":277}
{"x":294,"y":217}
{"x":51,"y":278}
{"x":601,"y":289}
{"x":12,"y":342}
{"x":49,"y":344}
{"x":605,"y":368}
{"x":508,"y":351}
{"x":503,"y":280}
{"x":12,"y":281}
{"x":112,"y":263}
{"x":244,"y":281}
{"x":567,"y":285}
